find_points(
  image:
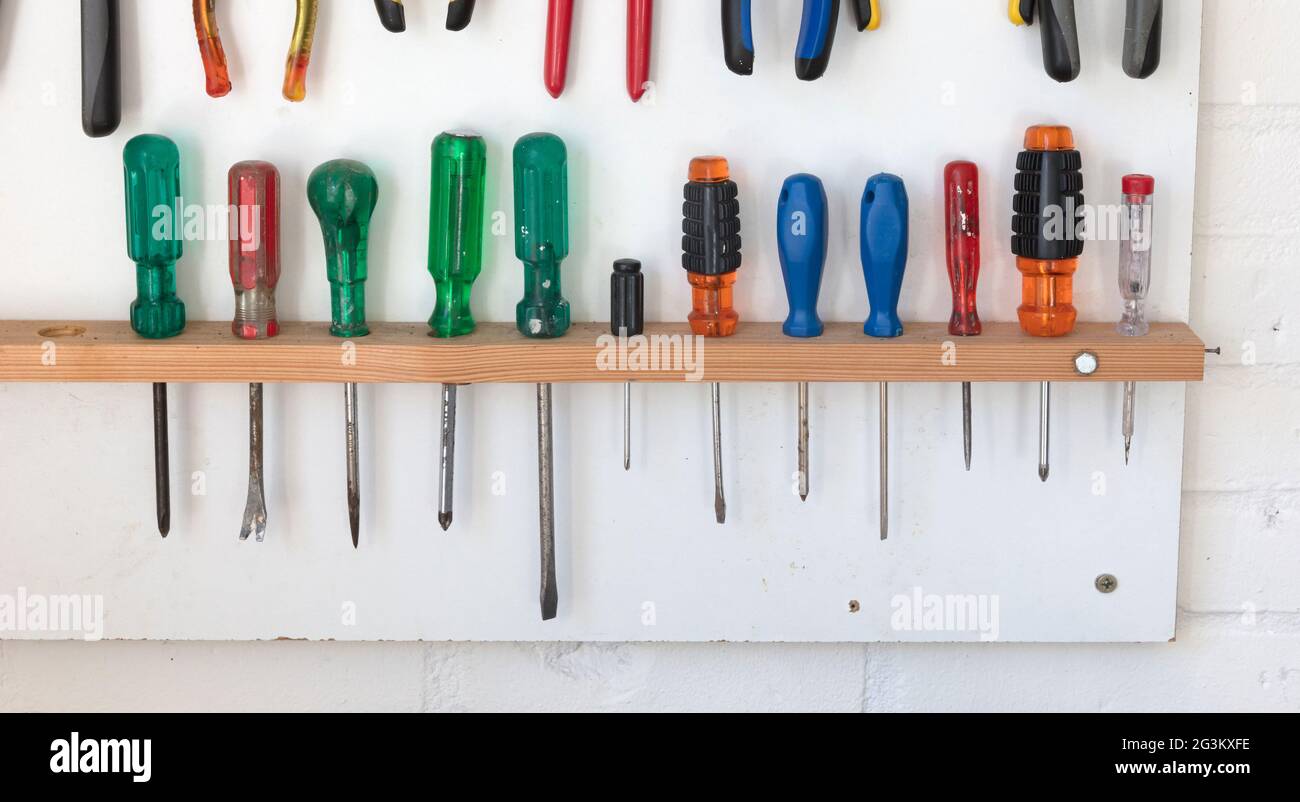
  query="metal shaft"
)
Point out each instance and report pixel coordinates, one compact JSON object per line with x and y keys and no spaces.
{"x":255,"y":507}
{"x":803,"y":441}
{"x":1130,"y":391}
{"x":1044,"y":428}
{"x":354,"y":481}
{"x":719,"y":498}
{"x":627,"y":426}
{"x":161,"y":463}
{"x":965,"y":422}
{"x":447,"y":456}
{"x":546,"y":501}
{"x":884,"y":460}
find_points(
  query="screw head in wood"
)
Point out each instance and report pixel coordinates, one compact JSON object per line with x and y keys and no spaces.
{"x":1106,"y":583}
{"x":1085,"y":363}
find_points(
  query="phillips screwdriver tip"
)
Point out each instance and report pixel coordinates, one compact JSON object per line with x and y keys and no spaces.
{"x":803,"y":496}
{"x":1127,"y":443}
{"x":444,"y":520}
{"x":1042,"y":472}
{"x":164,"y":525}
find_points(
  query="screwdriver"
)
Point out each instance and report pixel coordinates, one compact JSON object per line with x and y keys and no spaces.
{"x":1049,"y":182}
{"x":211,"y":51}
{"x":1135,"y":276}
{"x":1059,"y":31}
{"x":101,"y":68}
{"x":254,"y":271}
{"x":1142,"y":32}
{"x":392,"y":15}
{"x":627,"y":319}
{"x":961,"y":181}
{"x":541,"y":179}
{"x":304,"y":35}
{"x":884,"y":234}
{"x":455,"y":260}
{"x":153,"y":181}
{"x":343,"y":194}
{"x":801,"y":237}
{"x":711,"y":256}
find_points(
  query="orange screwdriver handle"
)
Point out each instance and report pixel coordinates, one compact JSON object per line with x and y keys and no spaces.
{"x":711,"y":246}
{"x":961,"y":181}
{"x":1046,"y":224}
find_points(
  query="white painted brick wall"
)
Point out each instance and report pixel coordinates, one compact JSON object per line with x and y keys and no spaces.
{"x":1239,"y":583}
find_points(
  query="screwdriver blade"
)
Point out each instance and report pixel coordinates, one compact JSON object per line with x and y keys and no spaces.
{"x":965,"y":421}
{"x":255,"y":507}
{"x":354,"y":483}
{"x":161,"y":461}
{"x":719,"y":497}
{"x":1044,"y":428}
{"x":1130,"y":393}
{"x":546,"y":502}
{"x":627,"y":426}
{"x":884,"y":460}
{"x":447,"y":456}
{"x":803,"y":441}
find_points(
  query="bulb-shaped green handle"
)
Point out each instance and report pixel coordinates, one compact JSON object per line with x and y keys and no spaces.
{"x":541,"y":233}
{"x":456,"y":229}
{"x":152,"y":171}
{"x":343,"y":194}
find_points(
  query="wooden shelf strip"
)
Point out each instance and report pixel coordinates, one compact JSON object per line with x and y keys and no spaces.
{"x":108,"y":351}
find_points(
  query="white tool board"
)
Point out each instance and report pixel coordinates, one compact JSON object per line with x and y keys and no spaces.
{"x":639,"y":555}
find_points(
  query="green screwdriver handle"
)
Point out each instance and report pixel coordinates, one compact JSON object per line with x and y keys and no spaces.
{"x":456,"y":229}
{"x":152,"y":171}
{"x":343,"y":194}
{"x":541,"y":233}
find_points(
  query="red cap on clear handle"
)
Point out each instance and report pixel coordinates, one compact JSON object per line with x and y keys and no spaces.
{"x":255,"y":247}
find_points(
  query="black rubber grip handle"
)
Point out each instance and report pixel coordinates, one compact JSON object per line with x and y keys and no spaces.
{"x":392,"y":15}
{"x":101,"y":68}
{"x":711,"y":228}
{"x":459,"y":13}
{"x":627,"y":298}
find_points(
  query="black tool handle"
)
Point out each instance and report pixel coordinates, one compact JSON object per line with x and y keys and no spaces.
{"x":459,"y":13}
{"x":711,"y":228}
{"x":627,"y":299}
{"x":1060,"y":39}
{"x":391,"y":14}
{"x":737,"y":46}
{"x":1048,"y":206}
{"x":101,"y":68}
{"x":1142,"y":32}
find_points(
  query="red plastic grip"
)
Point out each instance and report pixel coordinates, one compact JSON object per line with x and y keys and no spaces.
{"x":961,"y":181}
{"x":640,"y":25}
{"x":254,"y":247}
{"x":559,"y":22}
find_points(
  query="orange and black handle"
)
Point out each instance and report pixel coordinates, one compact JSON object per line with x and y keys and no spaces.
{"x":1046,"y":225}
{"x":711,"y":246}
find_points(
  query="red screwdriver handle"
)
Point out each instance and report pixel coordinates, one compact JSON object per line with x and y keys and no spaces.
{"x":961,"y":180}
{"x":640,"y":25}
{"x":255,"y":247}
{"x":559,"y":22}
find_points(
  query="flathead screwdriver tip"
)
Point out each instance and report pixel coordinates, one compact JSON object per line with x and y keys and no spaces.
{"x":550,"y":603}
{"x":354,"y":520}
{"x":444,"y":520}
{"x":720,"y":509}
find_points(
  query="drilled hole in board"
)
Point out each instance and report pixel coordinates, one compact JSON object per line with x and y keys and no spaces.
{"x":62,"y":331}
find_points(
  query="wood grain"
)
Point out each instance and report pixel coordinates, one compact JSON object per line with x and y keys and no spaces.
{"x":108,"y":351}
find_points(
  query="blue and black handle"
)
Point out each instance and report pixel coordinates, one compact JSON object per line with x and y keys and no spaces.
{"x":816,"y":37}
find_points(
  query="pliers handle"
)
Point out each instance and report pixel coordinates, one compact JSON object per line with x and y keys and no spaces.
{"x":1142,"y":31}
{"x":816,"y":35}
{"x":392,"y":14}
{"x":1060,"y":34}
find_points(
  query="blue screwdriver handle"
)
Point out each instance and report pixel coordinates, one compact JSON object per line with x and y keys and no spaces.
{"x":884,"y":251}
{"x":801,"y":236}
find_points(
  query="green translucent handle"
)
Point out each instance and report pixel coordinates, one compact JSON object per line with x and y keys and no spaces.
{"x":456,"y":229}
{"x":541,"y":233}
{"x":152,"y":172}
{"x":343,"y":194}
